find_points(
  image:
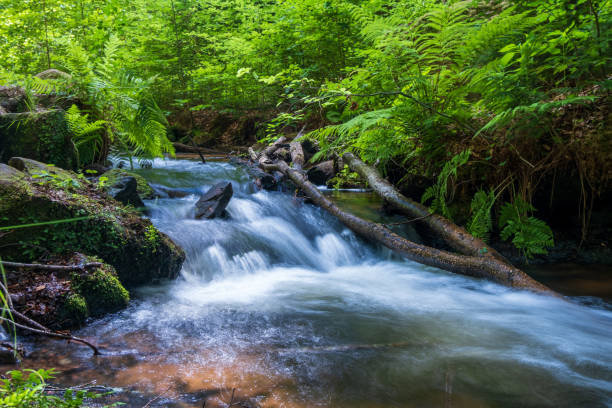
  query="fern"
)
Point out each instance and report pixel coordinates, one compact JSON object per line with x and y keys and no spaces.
{"x":438,"y":192}
{"x":481,"y":222}
{"x":351,"y":133}
{"x":121,"y":100}
{"x":86,"y":135}
{"x":527,"y":114}
{"x":530,"y":235}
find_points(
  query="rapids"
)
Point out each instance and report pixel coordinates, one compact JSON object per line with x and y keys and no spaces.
{"x":288,"y":308}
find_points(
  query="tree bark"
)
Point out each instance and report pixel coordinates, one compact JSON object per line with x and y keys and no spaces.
{"x":476,"y":266}
{"x":297,"y":155}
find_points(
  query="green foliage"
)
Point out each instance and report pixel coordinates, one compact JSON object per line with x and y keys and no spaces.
{"x":123,"y":101}
{"x":523,"y":85}
{"x":86,"y":135}
{"x":55,"y":180}
{"x":26,"y":388}
{"x":481,"y":221}
{"x":529,"y":234}
{"x":344,"y":177}
{"x":439,"y":191}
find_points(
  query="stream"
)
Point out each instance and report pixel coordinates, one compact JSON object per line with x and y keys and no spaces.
{"x":282,"y":306}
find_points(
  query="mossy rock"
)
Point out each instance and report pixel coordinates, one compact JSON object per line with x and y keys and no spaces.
{"x":101,"y":289}
{"x":115,"y":175}
{"x":98,"y":225}
{"x":73,"y":312}
{"x":42,"y":135}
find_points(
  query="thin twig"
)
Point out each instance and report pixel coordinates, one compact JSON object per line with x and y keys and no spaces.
{"x":148,"y":404}
{"x":49,"y":333}
{"x":38,"y":328}
{"x":409,"y":221}
{"x":51,"y":267}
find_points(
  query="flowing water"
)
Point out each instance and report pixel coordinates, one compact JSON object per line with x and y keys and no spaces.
{"x":282,"y":306}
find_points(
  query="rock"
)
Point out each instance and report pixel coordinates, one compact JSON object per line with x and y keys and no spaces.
{"x":212,"y":204}
{"x":114,"y":233}
{"x":53,"y":74}
{"x":42,"y":136}
{"x":114,"y":176}
{"x":12,"y":99}
{"x":321,"y":173}
{"x":263,"y":180}
{"x":125,"y":190}
{"x":8,"y":357}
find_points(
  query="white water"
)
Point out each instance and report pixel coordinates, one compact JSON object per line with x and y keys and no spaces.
{"x":284,"y":284}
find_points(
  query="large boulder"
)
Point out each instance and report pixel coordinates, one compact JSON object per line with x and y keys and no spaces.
{"x":212,"y":204}
{"x":321,"y":173}
{"x":97,"y":224}
{"x":43,"y":136}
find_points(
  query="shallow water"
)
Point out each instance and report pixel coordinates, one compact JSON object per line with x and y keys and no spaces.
{"x":284,"y":307}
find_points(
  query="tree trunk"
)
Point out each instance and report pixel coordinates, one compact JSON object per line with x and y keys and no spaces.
{"x":476,"y":266}
{"x":297,"y":155}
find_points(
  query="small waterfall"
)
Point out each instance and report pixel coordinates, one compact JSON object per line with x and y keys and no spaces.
{"x":282,"y":300}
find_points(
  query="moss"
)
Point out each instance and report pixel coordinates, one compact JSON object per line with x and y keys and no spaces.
{"x":144,"y":189}
{"x":42,"y":136}
{"x":101,"y":290}
{"x":132,"y":245}
{"x":74,"y":310}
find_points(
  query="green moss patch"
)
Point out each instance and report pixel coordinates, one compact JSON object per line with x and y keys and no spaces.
{"x":101,"y":290}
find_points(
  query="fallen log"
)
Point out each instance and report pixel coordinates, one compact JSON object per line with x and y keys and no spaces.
{"x":264,"y":156}
{"x":457,"y":237}
{"x":476,"y":266}
{"x":297,"y":154}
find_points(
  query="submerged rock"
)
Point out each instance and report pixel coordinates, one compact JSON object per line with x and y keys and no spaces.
{"x":99,"y":225}
{"x":212,"y":204}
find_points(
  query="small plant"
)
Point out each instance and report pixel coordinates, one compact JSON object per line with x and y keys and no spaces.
{"x":56,"y":180}
{"x":439,"y":191}
{"x":530,"y":235}
{"x":102,"y":181}
{"x":344,"y":177}
{"x":152,"y":238}
{"x":27,"y":388}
